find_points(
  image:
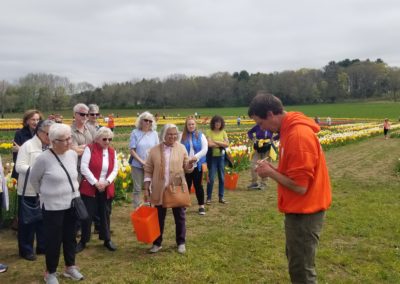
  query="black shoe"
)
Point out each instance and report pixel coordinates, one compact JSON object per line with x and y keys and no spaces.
{"x":80,"y":247}
{"x":30,"y":257}
{"x":223,"y":201}
{"x":110,"y":246}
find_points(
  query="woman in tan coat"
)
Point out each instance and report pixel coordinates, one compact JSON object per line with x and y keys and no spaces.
{"x":166,"y":161}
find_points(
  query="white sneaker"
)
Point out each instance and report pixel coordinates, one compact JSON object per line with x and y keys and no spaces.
{"x":182,"y":248}
{"x":73,"y":273}
{"x":155,"y":249}
{"x":51,"y":278}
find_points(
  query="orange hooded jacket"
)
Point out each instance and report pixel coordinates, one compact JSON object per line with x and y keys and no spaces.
{"x":301,"y":159}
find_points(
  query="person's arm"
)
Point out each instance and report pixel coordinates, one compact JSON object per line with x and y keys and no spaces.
{"x":132,"y":146}
{"x":22,"y":162}
{"x":266,"y":169}
{"x":86,"y":172}
{"x":148,"y":176}
{"x":114,"y":172}
{"x":204,"y":148}
{"x":36,"y":173}
{"x":225,"y":142}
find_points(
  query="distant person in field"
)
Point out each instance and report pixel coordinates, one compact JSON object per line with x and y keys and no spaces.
{"x":386,"y":127}
{"x":110,"y":122}
{"x":238,"y":120}
{"x":328,"y":121}
{"x":304,"y":190}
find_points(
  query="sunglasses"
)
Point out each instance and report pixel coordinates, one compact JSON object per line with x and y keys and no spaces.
{"x":147,"y":120}
{"x":94,"y":114}
{"x":105,"y":139}
{"x":82,"y":114}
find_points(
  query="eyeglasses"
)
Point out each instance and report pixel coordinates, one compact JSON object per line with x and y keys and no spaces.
{"x":82,"y":114}
{"x":94,"y":114}
{"x":147,"y":120}
{"x":105,"y":139}
{"x":64,"y":140}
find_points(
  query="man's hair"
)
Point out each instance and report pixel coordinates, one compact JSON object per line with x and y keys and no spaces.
{"x":264,"y":102}
{"x":80,"y":106}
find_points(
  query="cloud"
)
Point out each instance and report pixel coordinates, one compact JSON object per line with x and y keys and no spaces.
{"x":108,"y":41}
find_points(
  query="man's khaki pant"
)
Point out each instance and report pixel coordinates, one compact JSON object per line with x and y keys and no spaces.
{"x":302,"y":237}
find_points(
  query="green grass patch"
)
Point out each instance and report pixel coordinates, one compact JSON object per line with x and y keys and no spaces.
{"x":373,"y":110}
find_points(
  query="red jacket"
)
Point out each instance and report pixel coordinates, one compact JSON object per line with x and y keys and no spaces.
{"x":95,"y":165}
{"x":302,"y":159}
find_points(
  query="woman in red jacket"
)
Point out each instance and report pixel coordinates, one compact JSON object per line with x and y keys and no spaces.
{"x":99,"y":168}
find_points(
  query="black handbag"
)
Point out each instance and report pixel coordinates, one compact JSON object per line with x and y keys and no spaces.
{"x":30,"y":212}
{"x":77,"y":205}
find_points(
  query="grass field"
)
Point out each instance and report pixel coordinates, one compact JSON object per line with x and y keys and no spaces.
{"x":376,"y":110}
{"x":243,"y":241}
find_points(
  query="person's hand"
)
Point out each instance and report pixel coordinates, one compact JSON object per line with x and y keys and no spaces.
{"x":264,"y":168}
{"x":15,"y":147}
{"x":100,"y":186}
{"x":192,"y":160}
{"x":79,"y":149}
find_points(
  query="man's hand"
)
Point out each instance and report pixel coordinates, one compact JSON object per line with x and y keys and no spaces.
{"x":264,"y":168}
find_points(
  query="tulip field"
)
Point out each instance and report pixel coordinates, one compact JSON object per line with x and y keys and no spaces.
{"x":243,"y":241}
{"x":340,"y":133}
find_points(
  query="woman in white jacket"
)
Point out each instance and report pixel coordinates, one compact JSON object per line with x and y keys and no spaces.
{"x":27,"y":154}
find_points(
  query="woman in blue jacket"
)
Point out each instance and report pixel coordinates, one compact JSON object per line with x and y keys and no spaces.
{"x":196,"y":145}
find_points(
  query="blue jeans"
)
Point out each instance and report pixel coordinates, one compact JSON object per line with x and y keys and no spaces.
{"x":217,"y":166}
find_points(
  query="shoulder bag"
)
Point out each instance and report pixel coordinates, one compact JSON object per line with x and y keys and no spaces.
{"x":176,"y":194}
{"x":30,"y":213}
{"x":77,"y":205}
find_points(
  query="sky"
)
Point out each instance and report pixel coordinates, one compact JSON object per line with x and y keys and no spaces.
{"x":102,"y":41}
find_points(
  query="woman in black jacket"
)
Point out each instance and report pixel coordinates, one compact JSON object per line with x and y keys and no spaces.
{"x":29,"y":121}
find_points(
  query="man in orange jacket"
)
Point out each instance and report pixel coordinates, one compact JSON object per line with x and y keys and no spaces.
{"x":304,"y":190}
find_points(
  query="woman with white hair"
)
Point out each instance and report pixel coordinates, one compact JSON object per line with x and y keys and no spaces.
{"x":92,"y":123}
{"x":166,"y":161}
{"x":27,"y":155}
{"x":142,"y":139}
{"x":54,"y":184}
{"x":99,"y":168}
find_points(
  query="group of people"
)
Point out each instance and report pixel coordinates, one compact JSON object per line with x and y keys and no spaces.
{"x":59,"y":162}
{"x":65,"y":162}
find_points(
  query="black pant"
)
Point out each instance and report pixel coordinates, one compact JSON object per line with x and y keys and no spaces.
{"x":59,"y":227}
{"x":196,"y":178}
{"x":101,"y":205}
{"x":27,"y":232}
{"x":180,"y":224}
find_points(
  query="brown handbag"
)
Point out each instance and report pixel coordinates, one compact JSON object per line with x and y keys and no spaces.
{"x":177,"y":194}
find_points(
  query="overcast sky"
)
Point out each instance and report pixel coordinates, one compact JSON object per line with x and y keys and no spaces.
{"x":114,"y":41}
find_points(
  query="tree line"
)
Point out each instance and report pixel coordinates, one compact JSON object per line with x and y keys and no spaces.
{"x":337,"y":81}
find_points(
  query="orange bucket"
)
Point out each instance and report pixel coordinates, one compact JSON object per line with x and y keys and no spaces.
{"x":145,"y":224}
{"x":231,"y":181}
